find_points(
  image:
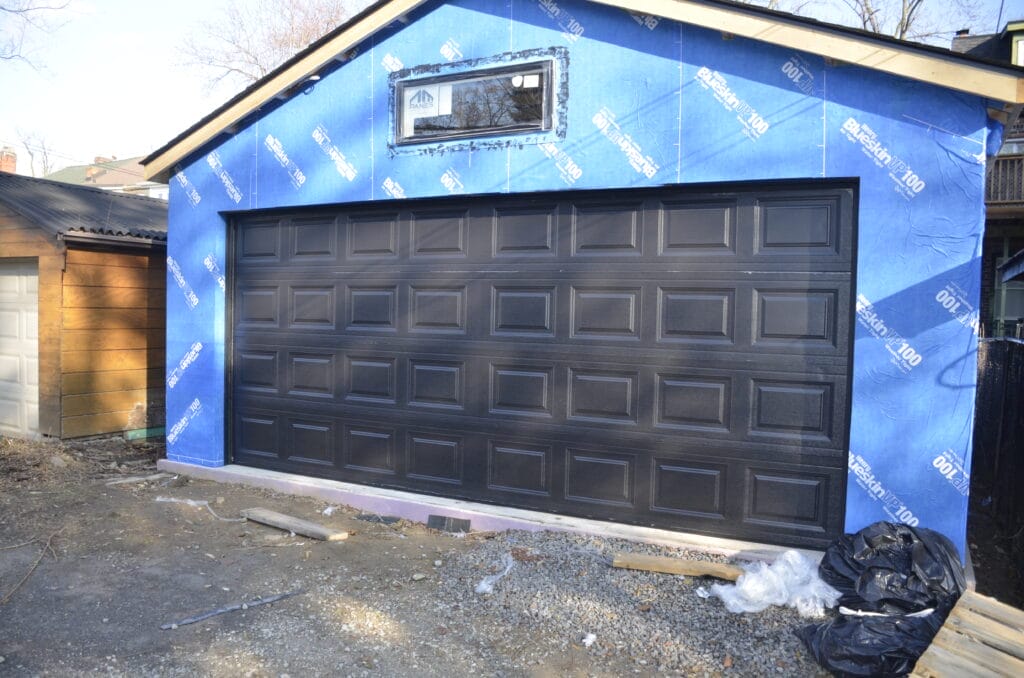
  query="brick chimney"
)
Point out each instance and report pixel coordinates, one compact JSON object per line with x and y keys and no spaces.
{"x":8,"y":160}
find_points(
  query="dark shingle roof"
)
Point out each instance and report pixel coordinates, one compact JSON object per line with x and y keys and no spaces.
{"x":61,"y":208}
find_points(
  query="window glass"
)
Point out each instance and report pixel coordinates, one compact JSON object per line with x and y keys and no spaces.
{"x":496,"y":101}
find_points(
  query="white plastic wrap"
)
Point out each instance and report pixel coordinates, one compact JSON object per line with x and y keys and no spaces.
{"x":791,"y":580}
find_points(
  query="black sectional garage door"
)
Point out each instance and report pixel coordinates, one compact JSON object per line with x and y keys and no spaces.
{"x":670,"y":357}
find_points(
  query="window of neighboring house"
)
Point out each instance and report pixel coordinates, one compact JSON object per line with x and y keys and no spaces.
{"x":1009,"y":305}
{"x":496,"y":101}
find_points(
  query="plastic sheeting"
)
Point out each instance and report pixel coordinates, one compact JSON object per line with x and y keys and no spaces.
{"x":646,"y":101}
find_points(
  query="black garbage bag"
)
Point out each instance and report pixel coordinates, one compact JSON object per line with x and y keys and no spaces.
{"x":893,"y":570}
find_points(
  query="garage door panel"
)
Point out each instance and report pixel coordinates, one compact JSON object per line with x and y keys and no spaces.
{"x":662,"y":356}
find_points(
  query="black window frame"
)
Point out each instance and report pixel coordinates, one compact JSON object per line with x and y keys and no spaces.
{"x":545,"y":67}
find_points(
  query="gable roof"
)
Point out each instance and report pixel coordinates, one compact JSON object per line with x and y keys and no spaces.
{"x":70,"y":211}
{"x":943,"y":67}
{"x":103,"y":172}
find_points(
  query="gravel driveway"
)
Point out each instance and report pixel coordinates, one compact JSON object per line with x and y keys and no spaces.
{"x":394,"y":599}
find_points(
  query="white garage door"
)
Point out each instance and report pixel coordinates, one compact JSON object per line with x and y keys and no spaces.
{"x":19,"y":349}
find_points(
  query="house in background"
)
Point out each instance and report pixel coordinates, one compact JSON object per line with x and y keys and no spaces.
{"x":1002,"y":302}
{"x":81,"y":310}
{"x":693,"y":265}
{"x":111,"y":174}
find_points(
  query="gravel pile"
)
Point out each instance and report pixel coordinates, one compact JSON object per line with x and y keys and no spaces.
{"x":563,"y":585}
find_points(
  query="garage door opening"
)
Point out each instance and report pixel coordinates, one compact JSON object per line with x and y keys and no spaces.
{"x":676,"y":357}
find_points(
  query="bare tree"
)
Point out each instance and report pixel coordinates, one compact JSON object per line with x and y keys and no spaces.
{"x":18,"y":19}
{"x":918,"y":20}
{"x":252,"y":37}
{"x":39,"y":153}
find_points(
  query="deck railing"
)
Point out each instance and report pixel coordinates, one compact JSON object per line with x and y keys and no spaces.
{"x":1004,"y":185}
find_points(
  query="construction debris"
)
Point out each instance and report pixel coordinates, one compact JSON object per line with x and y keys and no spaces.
{"x":229,"y":608}
{"x":292,"y":524}
{"x":668,"y":565}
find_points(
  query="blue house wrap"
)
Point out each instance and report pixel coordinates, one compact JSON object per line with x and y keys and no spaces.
{"x":640,"y":101}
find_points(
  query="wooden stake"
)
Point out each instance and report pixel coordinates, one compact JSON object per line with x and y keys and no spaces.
{"x":693,"y":568}
{"x":292,"y":524}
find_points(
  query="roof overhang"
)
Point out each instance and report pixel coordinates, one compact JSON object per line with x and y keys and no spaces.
{"x":992,"y":80}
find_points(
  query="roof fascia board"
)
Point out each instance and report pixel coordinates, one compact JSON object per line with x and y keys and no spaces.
{"x":159,"y":167}
{"x":988,"y":81}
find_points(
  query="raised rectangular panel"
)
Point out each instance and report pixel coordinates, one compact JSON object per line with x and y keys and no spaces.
{"x":799,"y":225}
{"x":257,"y":435}
{"x":439,"y":234}
{"x":689,"y":488}
{"x":519,"y":232}
{"x":259,"y":243}
{"x":521,"y":390}
{"x":518,"y":468}
{"x":12,"y":415}
{"x":10,"y":324}
{"x":434,"y":457}
{"x":792,"y":408}
{"x":438,"y":310}
{"x":797,"y":315}
{"x":696,"y":315}
{"x":780,"y":498}
{"x":315,"y":239}
{"x":31,"y":371}
{"x":599,"y":478}
{"x":256,"y":370}
{"x":371,"y":379}
{"x":372,"y":308}
{"x":10,"y":369}
{"x":312,"y":307}
{"x":603,"y":396}
{"x":606,"y":230}
{"x":606,"y":313}
{"x":311,"y":441}
{"x":370,"y":449}
{"x":373,"y":235}
{"x":521,"y":310}
{"x":697,"y":228}
{"x":691,"y":402}
{"x":31,"y":320}
{"x":311,"y":374}
{"x":435,"y":384}
{"x":258,"y":306}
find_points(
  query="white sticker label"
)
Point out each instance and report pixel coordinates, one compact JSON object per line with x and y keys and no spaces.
{"x":893,"y":506}
{"x":424,"y":101}
{"x":604,"y":119}
{"x":191,"y":299}
{"x":905,"y":181}
{"x":341,"y":163}
{"x":213,"y":160}
{"x":753,"y":124}
{"x":903,"y":354}
{"x":295,"y":174}
{"x":191,"y":194}
{"x":567,"y":167}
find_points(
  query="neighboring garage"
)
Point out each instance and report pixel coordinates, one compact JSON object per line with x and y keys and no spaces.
{"x":670,"y":264}
{"x":81,"y":310}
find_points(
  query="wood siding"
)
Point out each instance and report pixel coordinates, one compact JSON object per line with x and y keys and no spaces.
{"x":21,"y":239}
{"x":112,"y":358}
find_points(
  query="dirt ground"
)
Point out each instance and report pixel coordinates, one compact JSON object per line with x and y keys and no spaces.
{"x":91,"y":567}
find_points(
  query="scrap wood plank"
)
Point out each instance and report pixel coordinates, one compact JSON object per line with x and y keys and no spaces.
{"x":981,"y":637}
{"x":669,"y":565}
{"x":293,"y":524}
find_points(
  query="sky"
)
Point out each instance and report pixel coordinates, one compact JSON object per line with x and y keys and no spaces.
{"x":108,"y":78}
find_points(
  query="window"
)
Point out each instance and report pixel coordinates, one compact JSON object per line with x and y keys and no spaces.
{"x":496,"y":101}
